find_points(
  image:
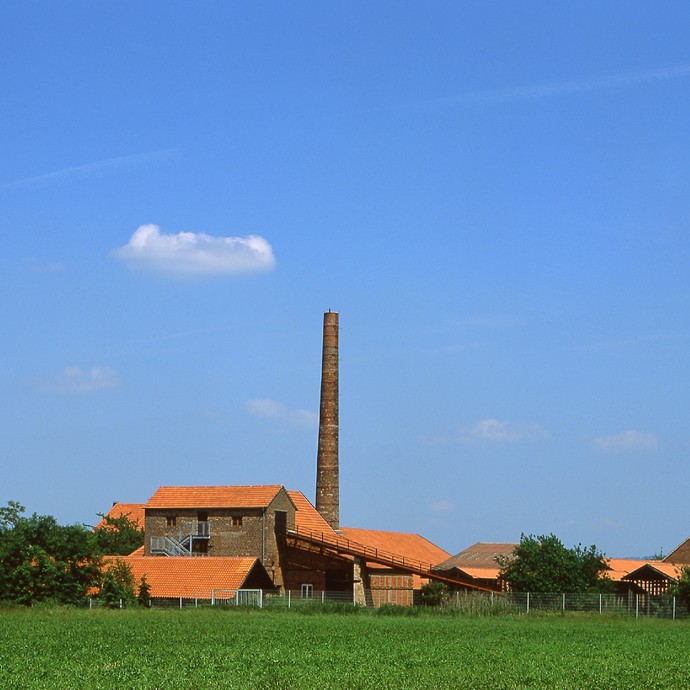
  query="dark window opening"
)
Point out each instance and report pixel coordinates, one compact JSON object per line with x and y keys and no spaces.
{"x":236,"y":520}
{"x":171,"y":520}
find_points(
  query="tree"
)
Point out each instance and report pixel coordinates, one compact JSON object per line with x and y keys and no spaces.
{"x":118,"y":536}
{"x":681,"y":588}
{"x":144,"y":593}
{"x":434,"y":593}
{"x":118,"y":585}
{"x":544,"y":564}
{"x":41,"y":560}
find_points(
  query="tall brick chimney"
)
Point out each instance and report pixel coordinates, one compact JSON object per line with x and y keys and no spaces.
{"x":327,"y":473}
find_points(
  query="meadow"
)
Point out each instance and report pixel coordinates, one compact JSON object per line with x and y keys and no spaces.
{"x":234,"y":648}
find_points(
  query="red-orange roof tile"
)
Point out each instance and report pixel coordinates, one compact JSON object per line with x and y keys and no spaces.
{"x":213,"y":496}
{"x":307,"y":518}
{"x":189,"y":577}
{"x":411,"y":546}
{"x":134,"y":511}
{"x":668,"y":570}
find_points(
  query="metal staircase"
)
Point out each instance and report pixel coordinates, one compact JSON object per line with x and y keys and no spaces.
{"x":184,"y":544}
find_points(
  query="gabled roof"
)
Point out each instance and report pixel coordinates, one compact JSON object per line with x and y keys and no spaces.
{"x":618,"y":568}
{"x":654,"y":570}
{"x":479,"y":555}
{"x":134,"y":511}
{"x":411,"y":546}
{"x":307,"y":518}
{"x":189,"y":577}
{"x":214,"y":496}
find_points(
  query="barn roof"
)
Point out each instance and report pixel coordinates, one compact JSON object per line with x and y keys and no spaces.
{"x":307,"y":518}
{"x":214,"y":496}
{"x":654,"y":570}
{"x":483,"y":554}
{"x":618,"y":568}
{"x":189,"y":577}
{"x":411,"y":546}
{"x":134,"y":511}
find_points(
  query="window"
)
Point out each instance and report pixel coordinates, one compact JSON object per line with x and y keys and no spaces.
{"x":307,"y":591}
{"x":170,"y":520}
{"x":236,"y":521}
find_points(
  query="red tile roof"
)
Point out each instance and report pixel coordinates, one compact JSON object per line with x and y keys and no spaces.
{"x":190,"y":577}
{"x":307,"y":518}
{"x":668,"y":570}
{"x":134,"y":511}
{"x":213,"y":496}
{"x":620,"y":567}
{"x":411,"y":546}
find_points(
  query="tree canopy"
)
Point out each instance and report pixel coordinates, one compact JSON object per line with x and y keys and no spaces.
{"x":118,"y":536}
{"x":41,"y":560}
{"x":544,"y":564}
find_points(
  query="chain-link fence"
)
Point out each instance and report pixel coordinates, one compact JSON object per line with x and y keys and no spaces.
{"x":630,"y":604}
{"x":467,"y":602}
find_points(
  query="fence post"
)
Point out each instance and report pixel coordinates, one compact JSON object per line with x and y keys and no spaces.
{"x":527,"y":602}
{"x":288,"y":598}
{"x":213,"y":597}
{"x":600,"y":595}
{"x":180,"y":602}
{"x":674,"y":608}
{"x":564,"y":601}
{"x":323,"y":595}
{"x":90,"y":603}
{"x":120,"y":603}
{"x":637,"y":606}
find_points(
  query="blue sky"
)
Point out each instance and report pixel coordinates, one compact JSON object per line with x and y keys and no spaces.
{"x":494,"y":196}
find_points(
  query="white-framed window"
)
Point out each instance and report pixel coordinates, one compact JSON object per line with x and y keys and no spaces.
{"x":307,"y":591}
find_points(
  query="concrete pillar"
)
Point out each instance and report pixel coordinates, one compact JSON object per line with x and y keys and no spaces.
{"x":327,"y":471}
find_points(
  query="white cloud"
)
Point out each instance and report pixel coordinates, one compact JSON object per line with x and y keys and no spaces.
{"x":189,"y":253}
{"x":265,"y":407}
{"x":75,"y":380}
{"x":495,"y":431}
{"x":626,"y":441}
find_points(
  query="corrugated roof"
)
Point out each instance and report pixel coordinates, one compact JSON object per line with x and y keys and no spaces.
{"x":307,"y":518}
{"x":213,"y":496}
{"x":411,"y":546}
{"x":134,"y":511}
{"x":483,"y":554}
{"x":189,"y":577}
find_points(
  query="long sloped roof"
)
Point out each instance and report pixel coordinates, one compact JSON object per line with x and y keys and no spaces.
{"x":189,"y":577}
{"x":412,"y":546}
{"x":307,"y":518}
{"x":214,"y":496}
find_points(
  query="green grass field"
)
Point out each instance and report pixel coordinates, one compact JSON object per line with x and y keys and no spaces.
{"x":220,"y":648}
